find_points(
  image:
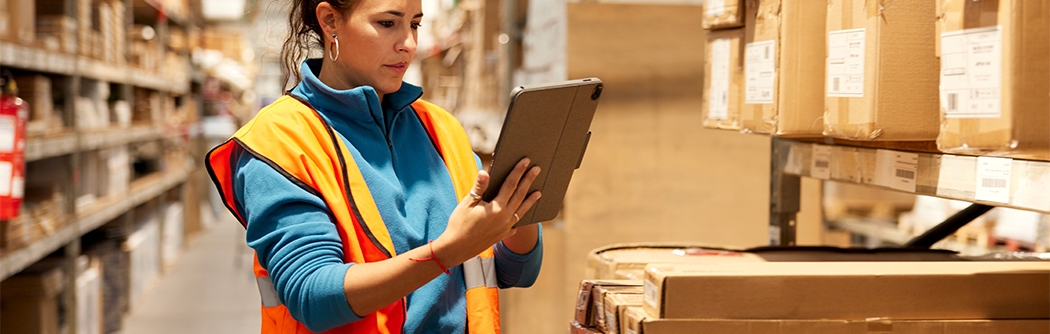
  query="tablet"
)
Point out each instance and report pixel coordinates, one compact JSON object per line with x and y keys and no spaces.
{"x":548,"y":124}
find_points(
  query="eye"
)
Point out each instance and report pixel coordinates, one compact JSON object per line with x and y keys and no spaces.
{"x":416,"y":25}
{"x":387,"y":24}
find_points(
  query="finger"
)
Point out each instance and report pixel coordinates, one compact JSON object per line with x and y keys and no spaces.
{"x":511,"y":183}
{"x":523,"y":189}
{"x":527,"y":204}
{"x":482,"y":183}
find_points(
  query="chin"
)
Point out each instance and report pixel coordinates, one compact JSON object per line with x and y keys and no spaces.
{"x":390,"y":88}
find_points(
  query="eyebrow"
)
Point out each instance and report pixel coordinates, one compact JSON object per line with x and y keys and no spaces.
{"x":400,"y":14}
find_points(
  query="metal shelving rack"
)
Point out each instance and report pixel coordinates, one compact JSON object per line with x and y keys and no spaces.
{"x":72,"y":142}
{"x":984,"y":181}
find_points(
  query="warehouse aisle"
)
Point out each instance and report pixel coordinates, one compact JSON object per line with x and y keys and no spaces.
{"x":209,"y":290}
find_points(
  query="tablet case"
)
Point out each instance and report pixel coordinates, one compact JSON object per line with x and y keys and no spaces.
{"x":549,"y":125}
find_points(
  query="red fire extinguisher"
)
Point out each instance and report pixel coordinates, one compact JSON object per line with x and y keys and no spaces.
{"x":14,"y":113}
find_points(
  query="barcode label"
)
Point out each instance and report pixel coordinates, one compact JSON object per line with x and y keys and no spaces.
{"x":953,"y":102}
{"x":993,"y":179}
{"x":993,"y":183}
{"x":821,"y":166}
{"x":896,"y":170}
{"x":906,"y":174}
{"x":836,"y":85}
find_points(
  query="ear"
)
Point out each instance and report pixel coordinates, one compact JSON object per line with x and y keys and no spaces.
{"x":328,"y":18}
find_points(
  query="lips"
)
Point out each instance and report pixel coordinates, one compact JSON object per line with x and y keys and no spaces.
{"x":399,"y":67}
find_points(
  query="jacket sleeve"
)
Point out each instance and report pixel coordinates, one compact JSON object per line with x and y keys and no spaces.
{"x":518,"y":270}
{"x":294,"y":238}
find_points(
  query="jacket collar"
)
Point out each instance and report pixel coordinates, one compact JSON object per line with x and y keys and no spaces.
{"x":349,"y":104}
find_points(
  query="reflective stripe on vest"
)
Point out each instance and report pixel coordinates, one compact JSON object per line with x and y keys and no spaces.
{"x":293,"y":139}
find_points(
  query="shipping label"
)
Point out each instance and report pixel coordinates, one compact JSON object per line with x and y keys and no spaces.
{"x":716,"y":7}
{"x":993,"y":179}
{"x":846,"y":63}
{"x":896,"y":170}
{"x":761,"y":72}
{"x":821,"y":162}
{"x":719,"y":94}
{"x":971,"y":73}
{"x":651,"y":294}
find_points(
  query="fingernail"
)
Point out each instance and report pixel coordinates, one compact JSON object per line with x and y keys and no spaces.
{"x":536,"y":171}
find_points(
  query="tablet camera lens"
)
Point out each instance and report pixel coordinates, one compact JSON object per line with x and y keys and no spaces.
{"x":597,"y":92}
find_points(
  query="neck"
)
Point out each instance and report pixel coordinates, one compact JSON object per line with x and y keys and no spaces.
{"x":332,"y":77}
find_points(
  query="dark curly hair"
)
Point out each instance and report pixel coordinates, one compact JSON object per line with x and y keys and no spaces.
{"x":304,"y":33}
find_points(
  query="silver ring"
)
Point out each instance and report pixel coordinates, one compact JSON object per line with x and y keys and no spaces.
{"x":516,"y":218}
{"x":475,"y":195}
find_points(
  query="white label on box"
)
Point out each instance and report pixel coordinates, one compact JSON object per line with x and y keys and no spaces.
{"x":761,"y":72}
{"x":993,"y":179}
{"x":774,"y":235}
{"x":716,"y":7}
{"x":7,"y":134}
{"x":896,"y":170}
{"x":651,"y":294}
{"x":821,"y":162}
{"x":719,"y":95}
{"x":971,"y":73}
{"x":5,"y":178}
{"x":1032,"y":185}
{"x":793,"y":165}
{"x":846,"y":63}
{"x":957,"y":177}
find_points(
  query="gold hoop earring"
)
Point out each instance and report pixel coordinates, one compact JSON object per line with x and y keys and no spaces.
{"x":333,"y":55}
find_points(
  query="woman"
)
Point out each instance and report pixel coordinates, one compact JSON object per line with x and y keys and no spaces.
{"x":360,"y":200}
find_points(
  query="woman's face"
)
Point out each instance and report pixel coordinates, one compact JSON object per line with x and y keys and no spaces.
{"x":377,"y":41}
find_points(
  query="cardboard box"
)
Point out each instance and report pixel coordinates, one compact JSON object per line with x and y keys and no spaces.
{"x":628,"y":261}
{"x":721,"y":14}
{"x":784,"y":68}
{"x":89,"y":296}
{"x":29,"y":302}
{"x":577,"y":328}
{"x":850,"y":290}
{"x":881,"y":73}
{"x":173,"y":232}
{"x":143,"y":247}
{"x":637,"y":322}
{"x":614,"y":307}
{"x":36,"y":90}
{"x":993,"y":88}
{"x":61,"y":28}
{"x":20,"y":22}
{"x":587,"y":298}
{"x":723,"y":86}
{"x":598,"y":295}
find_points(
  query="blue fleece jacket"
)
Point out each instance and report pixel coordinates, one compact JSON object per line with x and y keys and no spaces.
{"x":296,"y":241}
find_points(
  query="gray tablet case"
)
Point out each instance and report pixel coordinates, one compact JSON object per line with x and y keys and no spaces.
{"x":549,"y":125}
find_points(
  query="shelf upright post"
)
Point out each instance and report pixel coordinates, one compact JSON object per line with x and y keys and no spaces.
{"x":71,"y":187}
{"x":784,"y":193}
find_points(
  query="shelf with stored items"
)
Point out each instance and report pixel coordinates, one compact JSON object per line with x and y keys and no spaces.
{"x":110,"y":103}
{"x":985,"y":181}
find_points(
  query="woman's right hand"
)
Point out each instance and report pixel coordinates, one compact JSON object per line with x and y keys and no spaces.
{"x":476,"y":225}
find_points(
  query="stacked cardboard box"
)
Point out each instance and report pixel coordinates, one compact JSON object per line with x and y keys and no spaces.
{"x":723,"y":86}
{"x":723,"y":64}
{"x":143,"y":247}
{"x":29,"y":301}
{"x":57,"y":33}
{"x":881,"y":74}
{"x":784,"y":68}
{"x":36,"y":91}
{"x":993,"y":85}
{"x":89,"y":295}
{"x":18,"y":24}
{"x":846,"y":297}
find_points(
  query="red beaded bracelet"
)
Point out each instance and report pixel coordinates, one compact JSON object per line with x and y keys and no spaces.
{"x":433,"y":257}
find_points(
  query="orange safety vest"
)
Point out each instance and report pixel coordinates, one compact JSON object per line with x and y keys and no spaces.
{"x":291,"y":136}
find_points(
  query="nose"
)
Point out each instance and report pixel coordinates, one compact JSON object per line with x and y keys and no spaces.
{"x":408,"y":44}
